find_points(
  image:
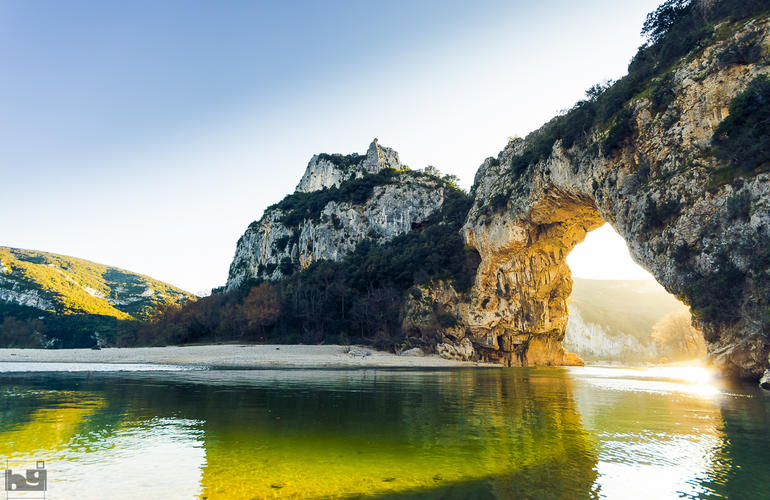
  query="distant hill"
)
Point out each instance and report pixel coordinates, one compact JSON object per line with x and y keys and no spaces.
{"x":64,"y":293}
{"x":613,"y":320}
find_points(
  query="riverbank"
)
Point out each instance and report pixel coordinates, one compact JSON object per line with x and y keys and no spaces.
{"x":238,"y":356}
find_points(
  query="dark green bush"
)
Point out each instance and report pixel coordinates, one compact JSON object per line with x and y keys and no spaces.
{"x":286,"y":267}
{"x":716,"y":296}
{"x":682,"y":253}
{"x":742,"y":140}
{"x":663,"y":93}
{"x":282,"y":242}
{"x":343,"y":160}
{"x":656,"y":216}
{"x":739,"y":206}
{"x":758,"y":251}
{"x":745,"y":50}
{"x":499,"y":201}
{"x":446,"y":320}
{"x":298,"y":207}
{"x":620,"y":131}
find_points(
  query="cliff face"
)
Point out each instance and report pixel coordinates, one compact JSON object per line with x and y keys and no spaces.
{"x":651,"y":167}
{"x":659,"y":189}
{"x":327,"y":171}
{"x":363,"y":197}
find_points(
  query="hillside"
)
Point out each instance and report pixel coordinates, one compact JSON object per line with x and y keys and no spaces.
{"x":614,"y":320}
{"x":342,"y":259}
{"x":624,"y":306}
{"x":65,"y":292}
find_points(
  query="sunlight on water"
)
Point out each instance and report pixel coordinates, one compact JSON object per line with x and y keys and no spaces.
{"x":694,"y":379}
{"x":664,"y":432}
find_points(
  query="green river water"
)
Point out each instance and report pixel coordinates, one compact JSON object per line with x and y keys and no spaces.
{"x":534,"y":433}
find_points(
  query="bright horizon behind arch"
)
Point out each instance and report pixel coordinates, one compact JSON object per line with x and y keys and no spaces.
{"x":604,"y":255}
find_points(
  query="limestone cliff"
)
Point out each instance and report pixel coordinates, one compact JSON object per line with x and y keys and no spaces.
{"x":661,"y":155}
{"x":340,"y":202}
{"x":661,"y":186}
{"x":327,"y":171}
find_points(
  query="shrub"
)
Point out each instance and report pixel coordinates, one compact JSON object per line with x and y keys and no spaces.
{"x":620,"y":130}
{"x":739,"y":206}
{"x":716,"y":296}
{"x":662,"y":93}
{"x":741,"y":142}
{"x":656,"y":216}
{"x":758,"y":250}
{"x":682,"y":253}
{"x":499,"y":201}
{"x":446,"y":320}
{"x":287,"y":266}
{"x":298,"y":207}
{"x":343,"y":161}
{"x":282,"y":242}
{"x":744,"y":50}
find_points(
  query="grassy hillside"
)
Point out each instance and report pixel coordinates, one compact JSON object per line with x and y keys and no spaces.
{"x":77,"y":286}
{"x":55,"y":300}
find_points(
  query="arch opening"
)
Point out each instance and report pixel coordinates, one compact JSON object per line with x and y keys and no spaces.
{"x":619,"y":313}
{"x":520,"y":309}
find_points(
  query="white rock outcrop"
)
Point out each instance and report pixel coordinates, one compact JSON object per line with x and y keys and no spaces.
{"x":393,"y":208}
{"x":325,"y":171}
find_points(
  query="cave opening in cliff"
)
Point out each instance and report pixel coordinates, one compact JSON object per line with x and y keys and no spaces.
{"x":618,"y":312}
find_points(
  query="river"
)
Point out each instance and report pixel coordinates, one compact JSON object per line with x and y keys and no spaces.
{"x":537,"y":433}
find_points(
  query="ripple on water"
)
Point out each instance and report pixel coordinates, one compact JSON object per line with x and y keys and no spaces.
{"x":512,"y":433}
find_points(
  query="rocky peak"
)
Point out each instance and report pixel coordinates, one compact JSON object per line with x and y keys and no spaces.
{"x":330,"y":170}
{"x":289,"y":236}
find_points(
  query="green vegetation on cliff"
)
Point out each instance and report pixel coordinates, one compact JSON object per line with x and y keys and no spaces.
{"x":358,"y":298}
{"x":742,"y":140}
{"x":50,"y":299}
{"x":301,"y":206}
{"x":674,"y":30}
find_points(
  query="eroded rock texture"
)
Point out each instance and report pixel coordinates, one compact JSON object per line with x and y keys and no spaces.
{"x":392,"y":208}
{"x":705,"y":239}
{"x":657,"y":190}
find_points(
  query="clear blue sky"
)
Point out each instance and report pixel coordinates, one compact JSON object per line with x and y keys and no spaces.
{"x":149,"y":134}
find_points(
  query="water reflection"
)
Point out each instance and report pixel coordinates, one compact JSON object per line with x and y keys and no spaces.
{"x":514,"y":433}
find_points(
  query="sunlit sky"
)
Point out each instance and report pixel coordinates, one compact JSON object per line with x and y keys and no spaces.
{"x":147,"y":135}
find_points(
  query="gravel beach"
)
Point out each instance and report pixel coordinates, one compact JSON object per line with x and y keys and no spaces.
{"x":238,"y":356}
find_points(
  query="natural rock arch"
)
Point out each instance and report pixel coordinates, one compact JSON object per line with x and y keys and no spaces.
{"x":656,"y":189}
{"x":517,"y":310}
{"x":518,"y":306}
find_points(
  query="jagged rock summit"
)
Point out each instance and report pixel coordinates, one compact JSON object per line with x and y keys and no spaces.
{"x":341,"y":201}
{"x":326,"y":171}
